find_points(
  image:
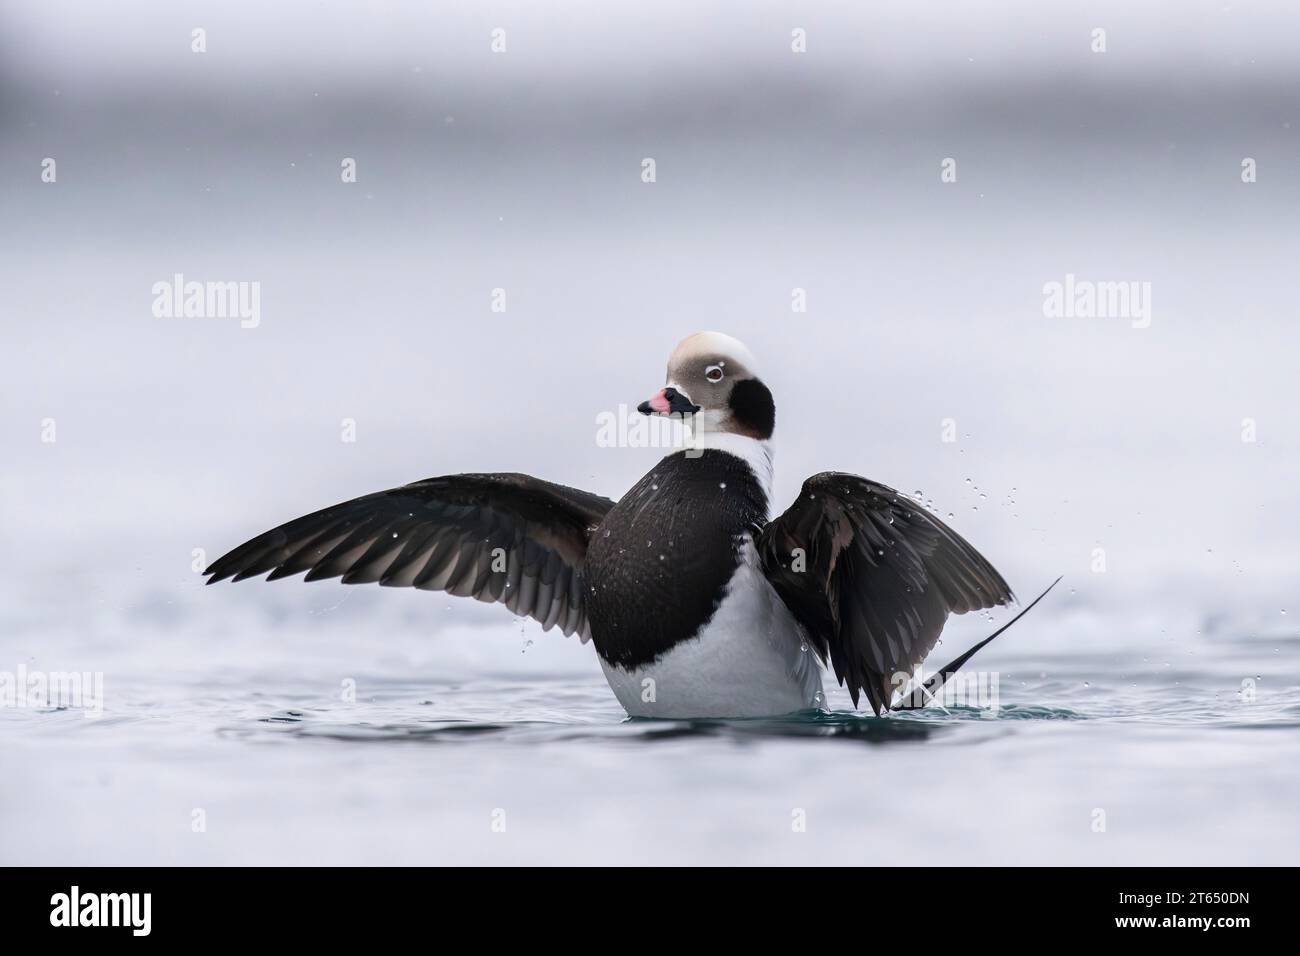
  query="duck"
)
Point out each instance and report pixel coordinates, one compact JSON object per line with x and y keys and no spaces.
{"x":697,"y":601}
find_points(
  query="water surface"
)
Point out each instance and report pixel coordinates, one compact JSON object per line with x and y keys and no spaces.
{"x":225,"y":710}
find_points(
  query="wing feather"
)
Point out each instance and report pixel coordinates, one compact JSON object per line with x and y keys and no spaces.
{"x":872,"y":576}
{"x":444,"y":534}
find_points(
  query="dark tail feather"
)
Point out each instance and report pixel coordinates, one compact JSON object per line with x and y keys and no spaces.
{"x":938,"y":680}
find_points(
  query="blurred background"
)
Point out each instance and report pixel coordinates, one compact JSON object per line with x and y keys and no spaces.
{"x":1172,"y":450}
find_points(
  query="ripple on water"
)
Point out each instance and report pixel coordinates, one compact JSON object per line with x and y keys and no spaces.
{"x":843,"y":725}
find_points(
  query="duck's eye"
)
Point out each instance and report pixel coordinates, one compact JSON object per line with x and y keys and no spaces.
{"x":713,"y":373}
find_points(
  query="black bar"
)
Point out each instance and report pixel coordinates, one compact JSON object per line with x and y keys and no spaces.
{"x":930,"y":905}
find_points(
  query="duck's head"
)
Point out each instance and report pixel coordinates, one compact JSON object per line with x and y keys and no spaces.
{"x":712,"y":376}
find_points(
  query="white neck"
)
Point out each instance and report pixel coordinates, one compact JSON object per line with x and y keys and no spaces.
{"x":757,"y":453}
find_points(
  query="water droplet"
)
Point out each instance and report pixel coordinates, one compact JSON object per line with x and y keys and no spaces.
{"x":804,"y":647}
{"x":722,"y":484}
{"x":606,"y":534}
{"x":968,"y":481}
{"x":950,"y":515}
{"x":917,"y":495}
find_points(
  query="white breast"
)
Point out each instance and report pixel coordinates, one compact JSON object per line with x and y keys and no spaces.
{"x":750,"y":660}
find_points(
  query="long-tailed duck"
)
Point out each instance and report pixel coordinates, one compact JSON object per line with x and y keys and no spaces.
{"x":698,"y":605}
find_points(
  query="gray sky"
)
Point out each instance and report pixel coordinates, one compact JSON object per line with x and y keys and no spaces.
{"x":775,"y":171}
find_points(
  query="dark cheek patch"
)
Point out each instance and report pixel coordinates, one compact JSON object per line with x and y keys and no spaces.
{"x":752,"y":406}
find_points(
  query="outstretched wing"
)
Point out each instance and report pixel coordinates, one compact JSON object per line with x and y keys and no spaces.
{"x":508,"y":538}
{"x":872,"y":576}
